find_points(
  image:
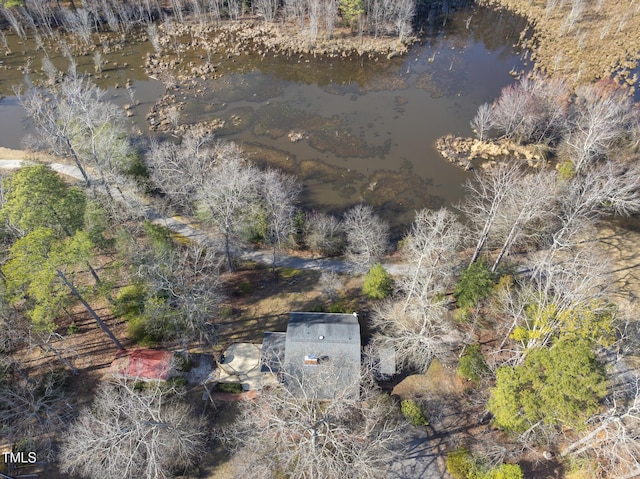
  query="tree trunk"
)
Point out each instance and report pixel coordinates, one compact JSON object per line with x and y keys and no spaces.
{"x":93,"y":314}
{"x":227,"y":250}
{"x":77,"y":161}
{"x":506,"y":245}
{"x":45,"y":345}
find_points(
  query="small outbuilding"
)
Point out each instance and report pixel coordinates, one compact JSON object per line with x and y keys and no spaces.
{"x":144,"y":365}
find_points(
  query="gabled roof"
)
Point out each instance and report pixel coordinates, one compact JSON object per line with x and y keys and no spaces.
{"x":272,"y":357}
{"x":322,"y":355}
{"x":143,"y":364}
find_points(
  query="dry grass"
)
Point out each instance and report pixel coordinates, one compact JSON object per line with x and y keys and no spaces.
{"x":603,"y":41}
{"x":259,"y":301}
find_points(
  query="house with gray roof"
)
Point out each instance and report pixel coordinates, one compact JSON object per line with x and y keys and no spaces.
{"x":318,"y":357}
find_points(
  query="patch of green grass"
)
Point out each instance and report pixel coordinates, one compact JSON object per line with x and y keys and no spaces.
{"x":288,"y":273}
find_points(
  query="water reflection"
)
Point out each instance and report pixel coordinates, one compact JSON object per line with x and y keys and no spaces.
{"x":352,"y":129}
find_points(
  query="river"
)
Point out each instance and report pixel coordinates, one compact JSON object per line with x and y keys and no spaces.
{"x":366,"y":128}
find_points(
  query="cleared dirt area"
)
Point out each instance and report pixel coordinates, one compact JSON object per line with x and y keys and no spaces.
{"x":259,"y":300}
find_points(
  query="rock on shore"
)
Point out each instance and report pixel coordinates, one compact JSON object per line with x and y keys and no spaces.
{"x":462,"y":151}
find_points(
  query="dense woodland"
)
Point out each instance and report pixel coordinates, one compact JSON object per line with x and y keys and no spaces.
{"x":511,"y":288}
{"x":376,"y":17}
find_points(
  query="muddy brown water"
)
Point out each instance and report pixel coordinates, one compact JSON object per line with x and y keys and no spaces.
{"x":367,"y":127}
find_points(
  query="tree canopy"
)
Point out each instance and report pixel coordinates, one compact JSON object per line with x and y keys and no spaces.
{"x":38,"y":198}
{"x":561,"y":385}
{"x":32,"y":272}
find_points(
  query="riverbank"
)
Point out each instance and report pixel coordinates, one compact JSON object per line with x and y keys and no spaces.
{"x":225,"y":41}
{"x":189,"y":53}
{"x":582,"y":41}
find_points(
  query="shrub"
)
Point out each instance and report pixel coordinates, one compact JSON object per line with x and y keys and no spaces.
{"x":229,"y":388}
{"x":72,"y":329}
{"x":137,"y":332}
{"x":338,"y":307}
{"x":463,"y":315}
{"x":412,"y":411}
{"x":182,"y":362}
{"x":177,"y":383}
{"x":24,"y":445}
{"x":504,"y":471}
{"x":566,"y":170}
{"x":460,"y":464}
{"x":130,"y":301}
{"x":160,"y":237}
{"x":136,"y":167}
{"x":472,"y":364}
{"x":475,"y":282}
{"x":245,"y":287}
{"x":288,"y":273}
{"x":378,"y":283}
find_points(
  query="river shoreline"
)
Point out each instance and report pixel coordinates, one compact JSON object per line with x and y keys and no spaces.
{"x":580,"y":41}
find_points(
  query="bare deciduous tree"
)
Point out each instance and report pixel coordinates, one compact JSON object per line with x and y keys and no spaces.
{"x":234,"y":8}
{"x":74,"y":120}
{"x":367,"y":236}
{"x":330,"y":284}
{"x":306,"y":437}
{"x":15,"y":21}
{"x":486,"y":194}
{"x":528,"y":211}
{"x":225,"y":198}
{"x":278,"y":192}
{"x":429,"y":249}
{"x":189,"y":280}
{"x":180,"y":170}
{"x":329,"y":14}
{"x":533,"y":110}
{"x":154,"y":38}
{"x":403,"y":18}
{"x":132,"y":434}
{"x":79,"y":23}
{"x":267,"y":9}
{"x":213,"y":178}
{"x":296,"y":9}
{"x":314,"y":11}
{"x":324,"y":234}
{"x":32,"y":409}
{"x":613,"y":439}
{"x":414,"y":323}
{"x":604,"y":189}
{"x":601,"y":115}
{"x":483,"y":121}
{"x":417,"y":334}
